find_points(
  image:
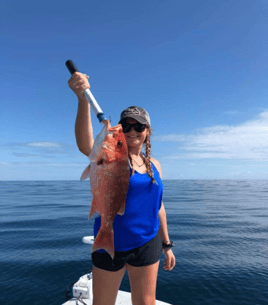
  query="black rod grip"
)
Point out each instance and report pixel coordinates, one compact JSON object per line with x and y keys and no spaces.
{"x":71,"y":66}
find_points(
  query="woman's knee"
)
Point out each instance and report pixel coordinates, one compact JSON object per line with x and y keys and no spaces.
{"x":106,"y":285}
{"x":143,"y":283}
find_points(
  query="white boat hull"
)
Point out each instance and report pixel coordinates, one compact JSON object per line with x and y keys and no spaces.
{"x":123,"y":297}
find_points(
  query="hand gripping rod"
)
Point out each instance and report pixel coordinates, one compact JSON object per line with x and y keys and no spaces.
{"x":87,"y":93}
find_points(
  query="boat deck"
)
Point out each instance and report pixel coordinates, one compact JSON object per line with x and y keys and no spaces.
{"x":123,"y":298}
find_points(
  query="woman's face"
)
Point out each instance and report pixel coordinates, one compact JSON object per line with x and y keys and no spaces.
{"x":134,"y":138}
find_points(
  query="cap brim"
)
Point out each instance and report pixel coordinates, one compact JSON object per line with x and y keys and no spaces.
{"x":137,"y":118}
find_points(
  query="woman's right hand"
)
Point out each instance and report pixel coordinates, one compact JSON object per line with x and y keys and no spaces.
{"x":79,"y":83}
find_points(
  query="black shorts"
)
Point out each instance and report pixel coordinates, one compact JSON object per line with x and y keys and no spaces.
{"x":145,"y":255}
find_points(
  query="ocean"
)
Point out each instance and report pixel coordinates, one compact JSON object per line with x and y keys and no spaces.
{"x":219,"y":229}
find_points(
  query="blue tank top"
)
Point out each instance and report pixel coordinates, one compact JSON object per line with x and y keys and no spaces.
{"x":140,"y":222}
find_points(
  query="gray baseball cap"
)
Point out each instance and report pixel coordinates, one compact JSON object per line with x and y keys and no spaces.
{"x":137,"y":113}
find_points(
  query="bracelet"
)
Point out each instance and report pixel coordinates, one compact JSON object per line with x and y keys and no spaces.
{"x":167,"y":246}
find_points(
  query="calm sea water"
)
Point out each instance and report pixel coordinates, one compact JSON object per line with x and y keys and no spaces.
{"x":219,"y":227}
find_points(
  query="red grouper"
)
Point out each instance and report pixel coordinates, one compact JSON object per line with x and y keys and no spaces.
{"x":109,"y":178}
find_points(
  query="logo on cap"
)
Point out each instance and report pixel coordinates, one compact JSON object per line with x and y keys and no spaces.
{"x":133,"y":110}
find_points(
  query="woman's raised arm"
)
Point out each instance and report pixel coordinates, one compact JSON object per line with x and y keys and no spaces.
{"x":83,"y":127}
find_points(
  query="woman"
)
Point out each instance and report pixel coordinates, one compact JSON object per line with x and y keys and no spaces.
{"x":144,"y":222}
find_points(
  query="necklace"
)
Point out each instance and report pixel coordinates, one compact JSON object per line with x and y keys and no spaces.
{"x":138,"y":164}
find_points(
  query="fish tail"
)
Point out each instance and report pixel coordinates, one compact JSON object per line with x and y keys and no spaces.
{"x":105,"y":240}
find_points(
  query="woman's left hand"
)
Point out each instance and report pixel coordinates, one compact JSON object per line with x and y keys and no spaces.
{"x":170,"y":261}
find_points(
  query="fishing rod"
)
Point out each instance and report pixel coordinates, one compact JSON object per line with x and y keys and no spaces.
{"x":87,"y":93}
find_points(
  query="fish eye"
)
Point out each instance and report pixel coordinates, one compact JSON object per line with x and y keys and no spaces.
{"x":119,"y":144}
{"x":100,"y":162}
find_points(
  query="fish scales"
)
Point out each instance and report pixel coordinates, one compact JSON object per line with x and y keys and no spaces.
{"x":109,"y":179}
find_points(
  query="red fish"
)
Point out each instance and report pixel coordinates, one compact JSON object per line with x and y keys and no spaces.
{"x":109,"y":179}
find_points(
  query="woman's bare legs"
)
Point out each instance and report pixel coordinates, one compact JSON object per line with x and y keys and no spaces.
{"x":106,"y":285}
{"x":143,"y":283}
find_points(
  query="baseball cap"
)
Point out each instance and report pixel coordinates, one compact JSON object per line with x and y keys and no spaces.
{"x":137,"y":113}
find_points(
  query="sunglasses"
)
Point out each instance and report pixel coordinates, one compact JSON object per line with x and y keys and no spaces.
{"x":137,"y":126}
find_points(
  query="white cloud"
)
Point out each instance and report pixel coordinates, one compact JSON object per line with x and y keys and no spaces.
{"x":44,"y":144}
{"x":5,"y":163}
{"x":69,"y":164}
{"x":45,"y":164}
{"x":248,"y":140}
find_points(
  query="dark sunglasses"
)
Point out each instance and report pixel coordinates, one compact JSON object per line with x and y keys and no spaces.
{"x":137,"y":126}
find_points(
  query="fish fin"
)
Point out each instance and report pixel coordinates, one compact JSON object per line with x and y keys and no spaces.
{"x":93,"y":209}
{"x":85,"y":173}
{"x":122,"y":210}
{"x":105,"y":240}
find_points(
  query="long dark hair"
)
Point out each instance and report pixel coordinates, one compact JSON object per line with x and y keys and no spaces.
{"x":147,"y":157}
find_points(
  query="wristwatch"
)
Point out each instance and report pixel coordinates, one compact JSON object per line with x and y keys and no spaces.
{"x":167,"y":246}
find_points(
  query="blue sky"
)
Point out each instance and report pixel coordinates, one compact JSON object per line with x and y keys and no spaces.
{"x":198,"y":67}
